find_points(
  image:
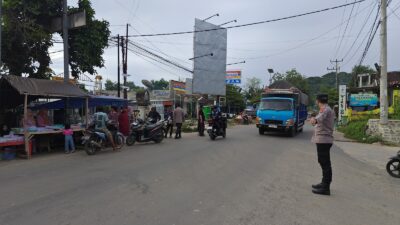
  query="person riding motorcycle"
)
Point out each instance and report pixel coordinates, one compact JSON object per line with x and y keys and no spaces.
{"x":154,"y":115}
{"x":100,"y":121}
{"x":216,"y":118}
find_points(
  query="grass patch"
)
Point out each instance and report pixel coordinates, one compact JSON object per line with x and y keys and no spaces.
{"x":356,"y":130}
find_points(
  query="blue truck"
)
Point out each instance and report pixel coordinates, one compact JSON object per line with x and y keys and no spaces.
{"x":282,"y":110}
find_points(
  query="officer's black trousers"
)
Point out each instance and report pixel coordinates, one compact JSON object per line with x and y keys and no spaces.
{"x":324,"y":160}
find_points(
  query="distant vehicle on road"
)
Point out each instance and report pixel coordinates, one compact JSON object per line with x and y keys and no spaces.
{"x":282,"y":110}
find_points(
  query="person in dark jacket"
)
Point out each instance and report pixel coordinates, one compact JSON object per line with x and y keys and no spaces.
{"x":201,"y":121}
{"x":154,"y":115}
{"x":323,"y":138}
{"x":170,"y":126}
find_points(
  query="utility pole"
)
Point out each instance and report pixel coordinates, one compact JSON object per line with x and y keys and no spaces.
{"x":336,"y":69}
{"x":119,"y":70}
{"x":123,"y":48}
{"x":65,"y":37}
{"x":383,"y":77}
{"x":1,"y":22}
{"x":126,"y":62}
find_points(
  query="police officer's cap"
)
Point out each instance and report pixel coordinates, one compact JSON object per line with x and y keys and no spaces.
{"x":322,"y":98}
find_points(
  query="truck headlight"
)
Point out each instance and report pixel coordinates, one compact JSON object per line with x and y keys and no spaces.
{"x":290,"y":122}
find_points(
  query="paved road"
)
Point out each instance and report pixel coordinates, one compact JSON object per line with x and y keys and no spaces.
{"x":245,"y":179}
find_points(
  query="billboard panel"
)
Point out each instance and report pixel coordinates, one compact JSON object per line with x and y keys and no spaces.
{"x":209,"y":71}
{"x":234,"y":77}
{"x":342,"y":101}
{"x":364,"y":100}
{"x":178,"y":87}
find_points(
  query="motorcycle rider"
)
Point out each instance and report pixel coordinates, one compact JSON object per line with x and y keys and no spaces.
{"x":217,"y":118}
{"x":100,"y":120}
{"x":154,"y":115}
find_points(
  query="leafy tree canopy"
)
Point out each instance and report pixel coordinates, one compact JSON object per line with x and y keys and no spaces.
{"x":234,"y":98}
{"x":160,"y":84}
{"x":293,"y":77}
{"x":27,"y":38}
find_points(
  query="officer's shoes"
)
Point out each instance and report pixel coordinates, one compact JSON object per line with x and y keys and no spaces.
{"x":317,"y":186}
{"x":323,"y":190}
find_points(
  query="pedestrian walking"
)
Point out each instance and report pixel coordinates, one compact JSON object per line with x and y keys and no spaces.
{"x":323,"y":138}
{"x":201,"y":121}
{"x":179,"y":117}
{"x":69,"y":139}
{"x":170,"y":126}
{"x":123,"y":121}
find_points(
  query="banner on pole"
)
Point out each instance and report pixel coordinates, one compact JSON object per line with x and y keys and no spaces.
{"x":234,"y":77}
{"x":342,"y":101}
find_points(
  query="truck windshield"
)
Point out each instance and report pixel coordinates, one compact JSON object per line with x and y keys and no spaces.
{"x":276,"y":104}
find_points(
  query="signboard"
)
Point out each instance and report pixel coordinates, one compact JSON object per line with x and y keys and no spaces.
{"x":209,"y":71}
{"x":342,"y":101}
{"x":75,"y":20}
{"x":61,"y":79}
{"x":234,"y":77}
{"x":161,"y":94}
{"x":363,"y":100}
{"x":178,"y":87}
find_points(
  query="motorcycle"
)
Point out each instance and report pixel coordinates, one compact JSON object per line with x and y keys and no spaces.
{"x":146,"y":131}
{"x":214,"y":130}
{"x":393,"y":166}
{"x":96,"y":140}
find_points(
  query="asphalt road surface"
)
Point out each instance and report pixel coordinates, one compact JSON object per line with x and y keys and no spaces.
{"x":244,"y":179}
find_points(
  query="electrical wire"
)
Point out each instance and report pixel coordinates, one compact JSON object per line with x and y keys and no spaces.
{"x":252,"y":24}
{"x":345,"y":30}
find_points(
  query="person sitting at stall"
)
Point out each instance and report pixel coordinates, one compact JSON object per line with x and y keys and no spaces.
{"x":4,"y":130}
{"x":43,"y":119}
{"x":29,"y":121}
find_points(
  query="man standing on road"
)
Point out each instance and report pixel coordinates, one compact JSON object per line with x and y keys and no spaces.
{"x":323,"y":138}
{"x":179,"y":116}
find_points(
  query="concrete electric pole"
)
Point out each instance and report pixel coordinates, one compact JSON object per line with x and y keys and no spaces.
{"x":383,"y":77}
{"x":65,"y":37}
{"x":336,"y":69}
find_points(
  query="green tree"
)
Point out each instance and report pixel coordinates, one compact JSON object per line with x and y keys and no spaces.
{"x":27,"y":38}
{"x":360,"y":69}
{"x":253,"y":90}
{"x":293,"y":77}
{"x":234,"y":99}
{"x":110,"y":86}
{"x":160,"y":84}
{"x":87,"y":43}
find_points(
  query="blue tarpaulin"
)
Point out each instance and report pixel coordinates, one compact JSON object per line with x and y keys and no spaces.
{"x":94,"y":101}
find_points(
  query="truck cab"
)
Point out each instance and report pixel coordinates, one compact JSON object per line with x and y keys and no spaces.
{"x":281,"y":111}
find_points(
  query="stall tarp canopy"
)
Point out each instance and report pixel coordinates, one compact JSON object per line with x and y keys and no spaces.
{"x":45,"y":88}
{"x":94,"y":101}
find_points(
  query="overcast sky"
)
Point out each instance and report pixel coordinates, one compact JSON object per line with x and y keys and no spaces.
{"x":307,"y":43}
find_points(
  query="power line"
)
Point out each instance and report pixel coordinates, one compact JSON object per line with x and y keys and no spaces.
{"x":359,"y":33}
{"x":251,"y":24}
{"x":345,"y":30}
{"x":160,"y":57}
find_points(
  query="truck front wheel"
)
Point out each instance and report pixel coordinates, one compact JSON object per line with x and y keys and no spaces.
{"x":261,"y":131}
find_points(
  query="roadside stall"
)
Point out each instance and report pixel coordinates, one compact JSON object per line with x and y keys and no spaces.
{"x":18,"y":91}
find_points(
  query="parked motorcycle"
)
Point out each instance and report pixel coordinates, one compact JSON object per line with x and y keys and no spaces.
{"x":393,"y":166}
{"x":96,"y":140}
{"x":142,"y":131}
{"x":215,"y":130}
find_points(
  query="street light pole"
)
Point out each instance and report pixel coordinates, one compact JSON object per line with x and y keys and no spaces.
{"x":383,"y":79}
